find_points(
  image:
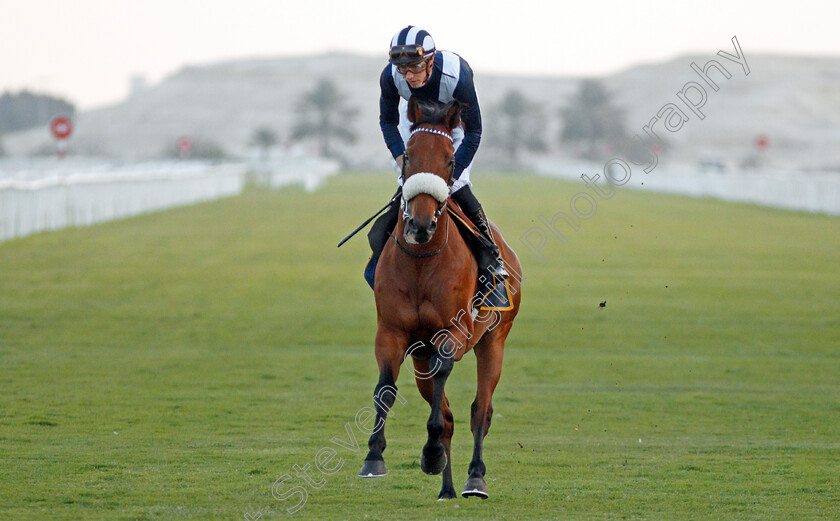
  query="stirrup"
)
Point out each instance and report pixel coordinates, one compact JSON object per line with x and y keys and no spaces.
{"x":498,"y":270}
{"x":490,"y":257}
{"x":492,"y":272}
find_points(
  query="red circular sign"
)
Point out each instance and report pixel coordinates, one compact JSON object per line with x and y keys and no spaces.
{"x":61,"y":127}
{"x":761,"y":141}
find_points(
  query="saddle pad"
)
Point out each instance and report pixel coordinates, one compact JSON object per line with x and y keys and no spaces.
{"x":497,"y":298}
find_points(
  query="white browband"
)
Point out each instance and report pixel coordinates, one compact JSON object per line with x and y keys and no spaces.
{"x":432,"y":131}
{"x":425,"y":183}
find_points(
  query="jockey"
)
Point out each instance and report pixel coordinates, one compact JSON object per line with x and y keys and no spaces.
{"x":416,"y":68}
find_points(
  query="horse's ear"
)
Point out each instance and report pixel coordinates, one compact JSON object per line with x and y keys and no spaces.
{"x":453,"y":115}
{"x":414,"y":113}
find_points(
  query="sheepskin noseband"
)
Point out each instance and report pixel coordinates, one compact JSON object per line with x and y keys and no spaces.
{"x":425,"y":183}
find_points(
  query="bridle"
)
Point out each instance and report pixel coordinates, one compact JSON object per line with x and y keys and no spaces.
{"x":439,"y":211}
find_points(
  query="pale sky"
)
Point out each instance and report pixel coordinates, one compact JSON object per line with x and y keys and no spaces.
{"x":86,"y":50}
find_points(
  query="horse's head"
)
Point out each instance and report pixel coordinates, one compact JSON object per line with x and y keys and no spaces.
{"x":428,"y":165}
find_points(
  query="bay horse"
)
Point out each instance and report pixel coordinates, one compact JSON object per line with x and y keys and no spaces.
{"x":426,"y":288}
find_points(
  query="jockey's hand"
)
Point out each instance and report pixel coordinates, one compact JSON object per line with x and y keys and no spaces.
{"x":398,"y":164}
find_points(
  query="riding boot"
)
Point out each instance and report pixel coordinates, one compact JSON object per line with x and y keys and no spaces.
{"x":488,"y":256}
{"x":379,"y":233}
{"x":491,"y":255}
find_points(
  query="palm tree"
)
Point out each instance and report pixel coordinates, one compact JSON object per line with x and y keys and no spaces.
{"x":323,"y":114}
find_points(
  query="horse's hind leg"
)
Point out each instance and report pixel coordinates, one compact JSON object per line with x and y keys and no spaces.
{"x":426,"y":388}
{"x":390,"y":350}
{"x":489,"y":366}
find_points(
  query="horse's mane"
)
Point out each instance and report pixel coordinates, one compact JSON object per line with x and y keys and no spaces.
{"x":432,"y":113}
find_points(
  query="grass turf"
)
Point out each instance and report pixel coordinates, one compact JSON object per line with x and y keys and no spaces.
{"x":174,"y":365}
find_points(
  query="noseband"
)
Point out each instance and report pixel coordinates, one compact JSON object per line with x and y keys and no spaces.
{"x":430,"y":184}
{"x":424,"y":183}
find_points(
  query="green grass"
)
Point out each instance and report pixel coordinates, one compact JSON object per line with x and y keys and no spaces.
{"x":174,"y":365}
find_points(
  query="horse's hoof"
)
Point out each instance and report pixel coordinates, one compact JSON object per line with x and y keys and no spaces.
{"x":475,"y":487}
{"x":433,"y":466}
{"x":372,"y":469}
{"x":447,"y":493}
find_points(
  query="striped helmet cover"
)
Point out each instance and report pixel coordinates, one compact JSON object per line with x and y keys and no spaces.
{"x":413,"y":35}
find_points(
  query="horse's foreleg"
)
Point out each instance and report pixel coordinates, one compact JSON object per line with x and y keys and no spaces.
{"x":434,"y":458}
{"x":426,"y":388}
{"x":390,"y":350}
{"x":489,"y":368}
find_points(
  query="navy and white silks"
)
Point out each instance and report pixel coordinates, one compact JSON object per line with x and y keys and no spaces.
{"x":451,"y":79}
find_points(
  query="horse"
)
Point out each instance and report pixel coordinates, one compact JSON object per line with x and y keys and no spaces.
{"x":426,"y":288}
